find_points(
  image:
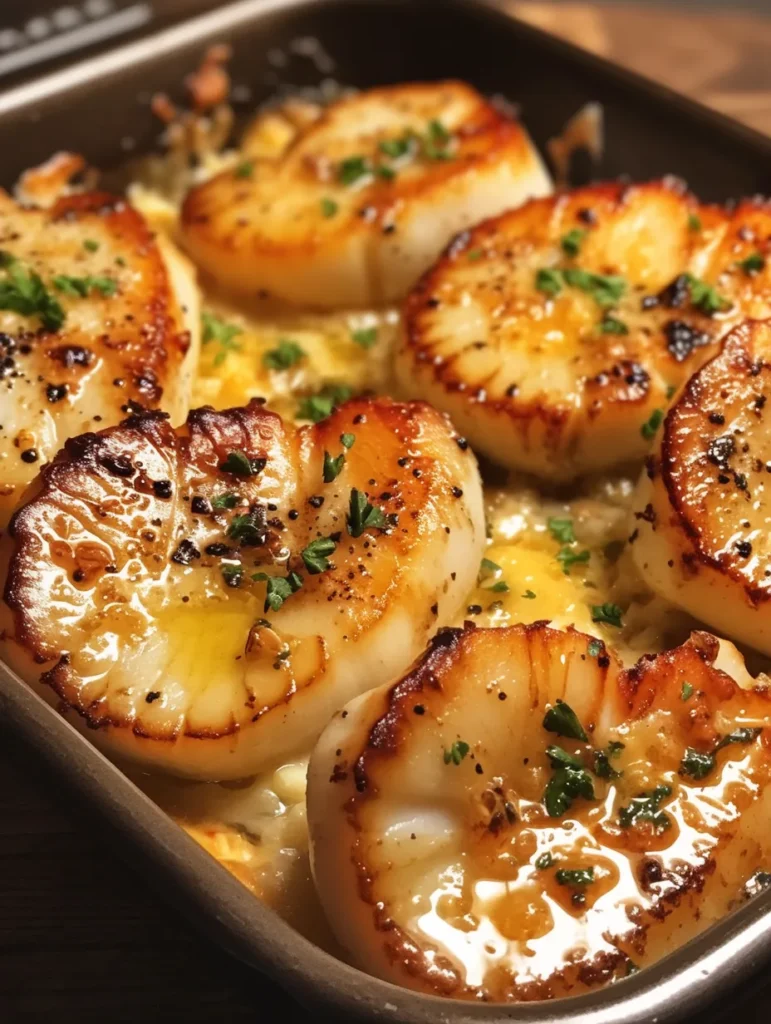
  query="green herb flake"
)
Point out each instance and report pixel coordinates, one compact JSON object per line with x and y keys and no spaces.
{"x":753,"y":264}
{"x":567,"y":558}
{"x":612,"y":325}
{"x":239,"y":464}
{"x":561,"y":529}
{"x":245,"y":169}
{"x":437,"y":141}
{"x":385,"y":172}
{"x":278,"y":588}
{"x":347,"y":440}
{"x":315,"y":555}
{"x":22,"y":291}
{"x":456,"y":753}
{"x":473,"y":255}
{"x":500,"y":587}
{"x":395,"y":148}
{"x":603,"y":769}
{"x":328,"y":207}
{"x":605,"y":289}
{"x":317,"y":407}
{"x":671,"y":389}
{"x":686,"y":691}
{"x":577,"y":878}
{"x":227,"y":500}
{"x":489,"y":568}
{"x":609,"y":613}
{"x":549,"y":280}
{"x":529,"y":595}
{"x":743,"y":735}
{"x":364,"y":516}
{"x":353,"y":169}
{"x":544,"y":861}
{"x":705,"y":297}
{"x":571,"y":242}
{"x":696,"y":763}
{"x":333,"y":466}
{"x":90,"y":245}
{"x":80,"y":287}
{"x":694,"y":222}
{"x":232,"y":574}
{"x":215,"y":329}
{"x":645,"y":808}
{"x":564,"y":787}
{"x":563,"y":720}
{"x":652,"y":424}
{"x":285,"y":355}
{"x":594,"y":649}
{"x":248,"y":528}
{"x":365,"y":337}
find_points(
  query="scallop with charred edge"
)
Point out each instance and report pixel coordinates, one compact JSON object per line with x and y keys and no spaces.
{"x":94,"y":315}
{"x":519,"y":818}
{"x":364,"y":198}
{"x":555,"y":334}
{"x":702,"y":519}
{"x":205,"y":598}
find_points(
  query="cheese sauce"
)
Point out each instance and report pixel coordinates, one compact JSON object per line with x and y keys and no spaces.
{"x":257,"y":828}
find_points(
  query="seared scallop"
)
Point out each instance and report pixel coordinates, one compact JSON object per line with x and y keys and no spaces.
{"x":555,"y":334}
{"x":702,"y":520}
{"x":364,"y":197}
{"x":205,"y":598}
{"x":518,"y":818}
{"x":94,"y":316}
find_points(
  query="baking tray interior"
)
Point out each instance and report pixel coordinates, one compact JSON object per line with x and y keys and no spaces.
{"x":100,"y":108}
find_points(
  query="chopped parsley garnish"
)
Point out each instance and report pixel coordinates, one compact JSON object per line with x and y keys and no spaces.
{"x":696,"y":763}
{"x":80,"y":287}
{"x":284,"y":355}
{"x":570,"y":780}
{"x":561,"y":529}
{"x":90,"y":245}
{"x":705,"y":297}
{"x":549,"y":280}
{"x":577,"y":878}
{"x":500,"y":587}
{"x":571,"y":242}
{"x":474,"y":254}
{"x":652,"y":424}
{"x":743,"y":735}
{"x":563,"y":720}
{"x":353,"y":169}
{"x":248,"y":528}
{"x":436,"y":141}
{"x":595,"y":648}
{"x":645,"y":808}
{"x":529,"y":594}
{"x":610,"y":613}
{"x":317,"y":407}
{"x":232,"y":574}
{"x":245,"y":169}
{"x":612,"y":325}
{"x":347,"y":440}
{"x":227,"y":500}
{"x":488,"y":570}
{"x":567,"y":557}
{"x":753,"y":264}
{"x":605,"y":289}
{"x":456,"y":753}
{"x":333,"y":466}
{"x":365,"y":337}
{"x":603,"y":769}
{"x":240,"y":464}
{"x":544,"y":861}
{"x":315,"y":555}
{"x":694,"y":222}
{"x":364,"y":516}
{"x":395,"y":148}
{"x":671,"y":389}
{"x":386,"y":172}
{"x":686,"y":691}
{"x":215,"y":329}
{"x":278,"y":588}
{"x":328,"y":207}
{"x":488,"y":567}
{"x":23,"y":291}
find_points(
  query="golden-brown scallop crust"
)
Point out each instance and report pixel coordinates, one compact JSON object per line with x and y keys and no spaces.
{"x":552,"y":384}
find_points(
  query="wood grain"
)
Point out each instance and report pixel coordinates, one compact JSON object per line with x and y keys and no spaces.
{"x":81,"y":939}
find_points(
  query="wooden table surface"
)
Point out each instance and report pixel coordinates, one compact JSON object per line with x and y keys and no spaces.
{"x":80,"y":936}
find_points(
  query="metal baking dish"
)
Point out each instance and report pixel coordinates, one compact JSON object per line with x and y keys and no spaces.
{"x":100,"y":107}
